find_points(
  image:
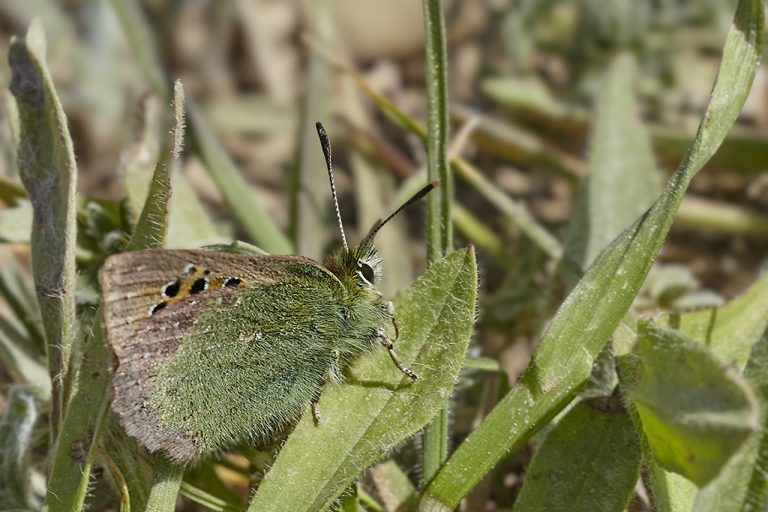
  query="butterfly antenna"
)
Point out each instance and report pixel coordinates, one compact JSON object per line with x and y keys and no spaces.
{"x":426,"y":189}
{"x":326,"y":145}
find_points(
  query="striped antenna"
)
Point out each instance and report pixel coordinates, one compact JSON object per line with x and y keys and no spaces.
{"x":426,"y":189}
{"x":326,"y":145}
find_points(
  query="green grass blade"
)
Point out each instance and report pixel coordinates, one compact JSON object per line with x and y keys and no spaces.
{"x":48,"y":170}
{"x":235,"y":189}
{"x":379,"y":407}
{"x":589,"y":461}
{"x":207,"y":500}
{"x":126,"y":466}
{"x":563,"y":360}
{"x":434,"y":441}
{"x":516,"y":212}
{"x":696,"y":412}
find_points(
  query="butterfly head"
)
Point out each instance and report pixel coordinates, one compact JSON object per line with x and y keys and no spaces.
{"x":361,"y":264}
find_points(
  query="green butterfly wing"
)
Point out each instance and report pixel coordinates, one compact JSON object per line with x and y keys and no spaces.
{"x":221,"y":364}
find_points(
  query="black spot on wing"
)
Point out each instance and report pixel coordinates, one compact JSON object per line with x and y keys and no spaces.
{"x":157,"y":307}
{"x":232,"y":281}
{"x":199,"y":286}
{"x":171,"y":289}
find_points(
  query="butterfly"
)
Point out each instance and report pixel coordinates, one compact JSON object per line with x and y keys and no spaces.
{"x":214,"y":348}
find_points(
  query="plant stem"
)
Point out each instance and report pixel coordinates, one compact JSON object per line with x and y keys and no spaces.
{"x":439,"y":226}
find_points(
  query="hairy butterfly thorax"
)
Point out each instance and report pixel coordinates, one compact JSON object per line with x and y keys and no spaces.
{"x":214,"y":348}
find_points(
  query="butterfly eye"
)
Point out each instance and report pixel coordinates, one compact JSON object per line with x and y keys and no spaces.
{"x":366,"y":271}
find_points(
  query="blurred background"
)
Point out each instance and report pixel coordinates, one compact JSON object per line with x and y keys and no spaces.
{"x":525,"y":78}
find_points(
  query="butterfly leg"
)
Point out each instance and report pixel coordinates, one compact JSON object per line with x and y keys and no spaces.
{"x":379,"y":333}
{"x":334,"y":372}
{"x":316,"y":410}
{"x":389,"y":310}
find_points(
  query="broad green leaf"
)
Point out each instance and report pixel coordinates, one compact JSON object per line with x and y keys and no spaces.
{"x":379,"y":407}
{"x":695,"y":411}
{"x":743,"y":483}
{"x":47,"y":167}
{"x":563,"y":359}
{"x":16,"y":436}
{"x":622,"y":181}
{"x":235,"y":189}
{"x":16,"y":224}
{"x":731,"y":330}
{"x":589,"y":461}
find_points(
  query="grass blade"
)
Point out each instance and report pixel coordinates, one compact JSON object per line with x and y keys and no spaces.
{"x":434,"y":442}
